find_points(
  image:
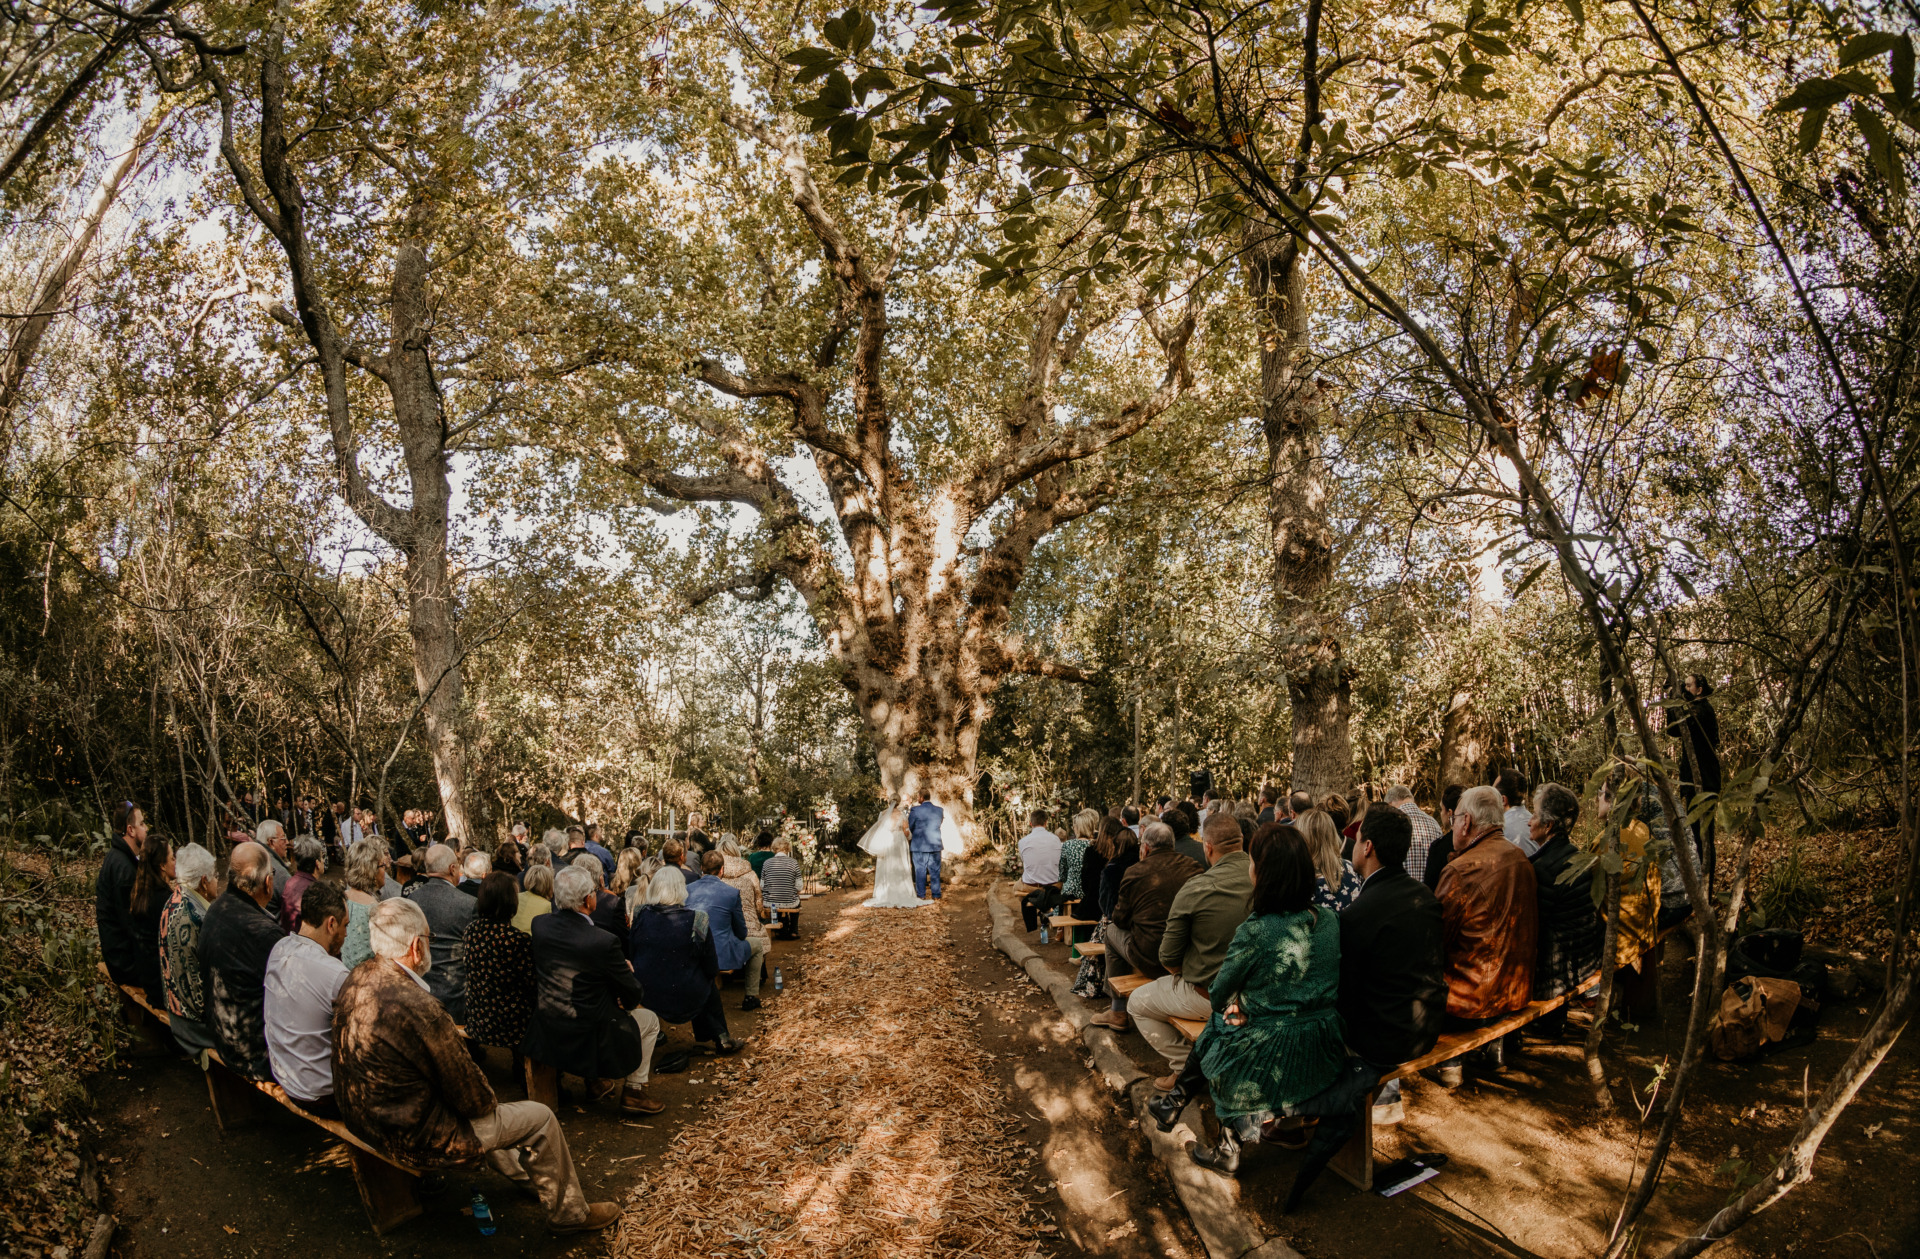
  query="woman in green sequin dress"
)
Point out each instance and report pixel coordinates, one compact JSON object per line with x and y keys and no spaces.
{"x":1274,"y":1039}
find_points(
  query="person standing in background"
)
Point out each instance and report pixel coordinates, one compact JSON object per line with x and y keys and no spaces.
{"x":1697,"y":726}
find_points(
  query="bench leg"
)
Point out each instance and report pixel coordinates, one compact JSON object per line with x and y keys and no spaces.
{"x":235,"y":1101}
{"x":1353,"y":1162}
{"x":388,"y":1193}
{"x":543,"y":1085}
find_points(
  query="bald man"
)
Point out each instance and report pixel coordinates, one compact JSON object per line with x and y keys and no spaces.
{"x":448,"y":914}
{"x":236,"y":940}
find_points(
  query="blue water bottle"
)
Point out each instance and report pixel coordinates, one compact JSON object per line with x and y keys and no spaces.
{"x":1044,"y":935}
{"x":779,"y":983}
{"x":482,"y":1215}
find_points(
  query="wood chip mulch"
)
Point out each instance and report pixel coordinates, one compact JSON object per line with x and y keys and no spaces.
{"x":863,"y":1124}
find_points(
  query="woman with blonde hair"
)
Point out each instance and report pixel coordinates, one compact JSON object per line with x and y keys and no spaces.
{"x":367,"y":862}
{"x":627,"y":870}
{"x":1338,"y":884}
{"x":1073,"y":855}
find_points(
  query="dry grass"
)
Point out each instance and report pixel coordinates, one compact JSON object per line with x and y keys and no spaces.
{"x":864,"y":1125}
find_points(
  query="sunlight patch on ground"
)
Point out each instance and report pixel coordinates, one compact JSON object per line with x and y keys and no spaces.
{"x":871,"y":1129}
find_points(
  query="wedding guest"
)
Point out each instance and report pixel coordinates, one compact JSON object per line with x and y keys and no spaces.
{"x":181,"y":971}
{"x":236,"y":939}
{"x":366,"y":879}
{"x":146,"y":902}
{"x":737,"y":874}
{"x":407,"y":1086}
{"x":536,"y":897}
{"x":672,"y":945}
{"x":304,"y":975}
{"x":1039,"y":869}
{"x":1336,"y":884}
{"x":499,"y":963}
{"x":588,"y":1018}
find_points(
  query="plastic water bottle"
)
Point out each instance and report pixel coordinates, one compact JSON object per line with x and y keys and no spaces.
{"x":482,"y":1215}
{"x":1045,"y":935}
{"x":779,"y":982}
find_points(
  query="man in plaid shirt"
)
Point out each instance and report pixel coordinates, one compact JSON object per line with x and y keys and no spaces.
{"x":1425,"y":829}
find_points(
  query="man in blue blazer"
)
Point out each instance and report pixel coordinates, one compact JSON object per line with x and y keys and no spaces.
{"x":923,"y":829}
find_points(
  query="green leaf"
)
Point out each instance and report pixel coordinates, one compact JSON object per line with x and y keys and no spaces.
{"x":1903,"y":71}
{"x":1578,"y":10}
{"x":1880,"y":147}
{"x":1871,"y":44}
{"x":1529,"y":579}
{"x":1813,"y":124}
{"x":1813,"y":94}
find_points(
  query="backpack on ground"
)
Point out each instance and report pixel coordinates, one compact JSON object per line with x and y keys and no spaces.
{"x":1757,"y":1012}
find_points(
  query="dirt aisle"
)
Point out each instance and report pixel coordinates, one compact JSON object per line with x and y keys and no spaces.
{"x":910,"y":1093}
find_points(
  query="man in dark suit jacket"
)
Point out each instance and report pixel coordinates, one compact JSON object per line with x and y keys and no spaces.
{"x":587,"y":1017}
{"x":923,"y":844}
{"x":1393,"y":993}
{"x":448,"y":914}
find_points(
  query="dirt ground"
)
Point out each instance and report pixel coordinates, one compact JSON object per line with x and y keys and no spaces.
{"x":1531,"y":1173}
{"x":179,"y":1187}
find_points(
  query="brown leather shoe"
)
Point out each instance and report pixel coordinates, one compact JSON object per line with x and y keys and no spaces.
{"x":599,"y":1215}
{"x":1112,"y":1020}
{"x":641,"y":1103}
{"x":1165,"y":1083}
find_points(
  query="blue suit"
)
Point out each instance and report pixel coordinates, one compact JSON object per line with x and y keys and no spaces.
{"x":923,"y":829}
{"x":724,"y":918}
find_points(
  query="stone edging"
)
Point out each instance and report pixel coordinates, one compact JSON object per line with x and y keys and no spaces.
{"x":1212,"y":1202}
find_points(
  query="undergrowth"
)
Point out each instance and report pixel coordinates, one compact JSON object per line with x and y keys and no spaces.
{"x":57,"y":1027}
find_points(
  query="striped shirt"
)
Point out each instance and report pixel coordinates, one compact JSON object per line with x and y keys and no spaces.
{"x":1425,"y":831}
{"x":780,"y":881}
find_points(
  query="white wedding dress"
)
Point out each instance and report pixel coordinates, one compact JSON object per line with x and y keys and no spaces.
{"x":886,"y":842}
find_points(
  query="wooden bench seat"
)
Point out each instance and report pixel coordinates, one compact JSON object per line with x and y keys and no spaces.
{"x":1089,"y":950}
{"x":1126,"y":985}
{"x":1062,"y":922}
{"x":388,"y":1190}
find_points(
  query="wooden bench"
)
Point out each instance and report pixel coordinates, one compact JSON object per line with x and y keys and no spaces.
{"x":388,"y":1190}
{"x":1127,"y":985}
{"x":1087,"y":950}
{"x":1062,"y":921}
{"x":1354,"y":1161}
{"x":784,"y":921}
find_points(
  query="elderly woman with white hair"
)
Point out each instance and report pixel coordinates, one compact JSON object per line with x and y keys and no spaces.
{"x":406,"y":1085}
{"x":180,"y":972}
{"x":587,"y":1014}
{"x":673,"y":947}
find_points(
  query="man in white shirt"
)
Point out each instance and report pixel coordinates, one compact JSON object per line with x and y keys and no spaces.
{"x":304,"y":974}
{"x":1425,"y":829}
{"x":1517,"y":827}
{"x":1039,"y":869}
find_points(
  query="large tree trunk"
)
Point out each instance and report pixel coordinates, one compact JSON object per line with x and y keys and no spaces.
{"x":438,"y":654}
{"x":919,"y":623}
{"x":1309,"y":635}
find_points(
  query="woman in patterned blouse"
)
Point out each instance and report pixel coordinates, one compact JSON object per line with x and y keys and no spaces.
{"x":499,"y":966}
{"x":1336,"y":883}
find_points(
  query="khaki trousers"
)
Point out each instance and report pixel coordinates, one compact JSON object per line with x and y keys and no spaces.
{"x":523,"y":1141}
{"x":649,"y":1024}
{"x":756,"y":963}
{"x":1168,"y":997}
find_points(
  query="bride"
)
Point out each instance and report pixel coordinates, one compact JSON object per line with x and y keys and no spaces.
{"x":886,"y":842}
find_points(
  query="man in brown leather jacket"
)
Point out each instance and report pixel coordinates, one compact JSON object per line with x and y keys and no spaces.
{"x":1140,"y":914}
{"x":1490,"y":915}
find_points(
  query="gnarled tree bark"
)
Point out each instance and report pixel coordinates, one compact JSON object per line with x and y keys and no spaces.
{"x":918,"y":624}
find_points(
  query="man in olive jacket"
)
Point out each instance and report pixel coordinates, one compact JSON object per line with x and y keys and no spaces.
{"x":1206,"y":911}
{"x":407,"y":1086}
{"x":1140,"y":913}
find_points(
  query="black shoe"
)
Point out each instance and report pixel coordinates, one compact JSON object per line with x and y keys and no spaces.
{"x":726,"y":1045}
{"x":1166,"y":1107}
{"x":673,"y":1063}
{"x":1223,"y":1158}
{"x":750,"y":1003}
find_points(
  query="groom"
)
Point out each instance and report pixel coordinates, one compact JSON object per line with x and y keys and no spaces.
{"x":923,"y":825}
